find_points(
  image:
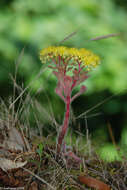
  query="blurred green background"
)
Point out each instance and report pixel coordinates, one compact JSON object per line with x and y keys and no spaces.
{"x":34,"y":25}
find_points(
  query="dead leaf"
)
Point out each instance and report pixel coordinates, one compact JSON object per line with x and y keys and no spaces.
{"x":6,"y":164}
{"x":93,"y":183}
{"x":15,"y":137}
{"x":33,"y":186}
{"x":13,"y":140}
{"x":9,"y":180}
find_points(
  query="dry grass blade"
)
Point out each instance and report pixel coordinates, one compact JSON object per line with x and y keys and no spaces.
{"x":92,"y":39}
{"x":27,"y":87}
{"x":96,"y":106}
{"x":42,"y":180}
{"x":105,"y":36}
{"x":68,"y":36}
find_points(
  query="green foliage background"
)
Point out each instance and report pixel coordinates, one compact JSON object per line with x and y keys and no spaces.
{"x":33,"y":25}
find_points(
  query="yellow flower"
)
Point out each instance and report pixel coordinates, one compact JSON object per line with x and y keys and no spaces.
{"x":88,"y":59}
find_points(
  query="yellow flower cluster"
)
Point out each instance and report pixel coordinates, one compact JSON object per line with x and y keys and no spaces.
{"x":86,"y":57}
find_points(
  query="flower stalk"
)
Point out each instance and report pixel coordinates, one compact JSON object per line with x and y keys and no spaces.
{"x":64,"y":127}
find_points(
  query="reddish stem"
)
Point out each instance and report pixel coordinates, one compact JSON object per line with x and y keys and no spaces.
{"x":67,"y":84}
{"x":65,"y":123}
